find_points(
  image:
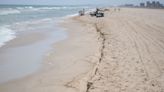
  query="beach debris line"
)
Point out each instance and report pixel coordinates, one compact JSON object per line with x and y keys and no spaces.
{"x":90,"y":82}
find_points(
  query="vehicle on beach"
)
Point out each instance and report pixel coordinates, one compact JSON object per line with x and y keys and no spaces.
{"x":97,"y":13}
{"x":100,"y":14}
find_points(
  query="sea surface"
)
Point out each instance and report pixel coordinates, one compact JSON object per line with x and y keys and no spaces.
{"x":19,"y":20}
{"x":14,"y":16}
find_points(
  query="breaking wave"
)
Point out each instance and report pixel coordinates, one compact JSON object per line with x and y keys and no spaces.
{"x":6,"y":35}
{"x":9,"y":11}
{"x":48,"y":8}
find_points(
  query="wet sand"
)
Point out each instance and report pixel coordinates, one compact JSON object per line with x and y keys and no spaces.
{"x":15,"y":57}
{"x":23,"y":55}
{"x":64,"y":62}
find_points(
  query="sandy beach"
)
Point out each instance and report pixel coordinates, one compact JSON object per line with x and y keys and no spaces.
{"x":65,"y":61}
{"x":121,"y":52}
{"x":131,"y":58}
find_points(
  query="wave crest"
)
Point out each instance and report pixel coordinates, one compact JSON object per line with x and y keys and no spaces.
{"x":9,"y":11}
{"x":6,"y":35}
{"x":48,"y":8}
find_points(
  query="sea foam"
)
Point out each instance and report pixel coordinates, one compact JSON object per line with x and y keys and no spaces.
{"x":9,"y":11}
{"x":6,"y":35}
{"x":32,"y":8}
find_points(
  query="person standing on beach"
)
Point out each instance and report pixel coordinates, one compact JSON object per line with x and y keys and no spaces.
{"x":83,"y":11}
{"x":119,"y":9}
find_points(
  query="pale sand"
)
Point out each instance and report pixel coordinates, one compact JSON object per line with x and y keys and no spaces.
{"x":68,"y":60}
{"x":125,"y":48}
{"x":132,"y":52}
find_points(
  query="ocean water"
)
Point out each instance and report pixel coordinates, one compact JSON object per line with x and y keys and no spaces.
{"x":19,"y":20}
{"x":12,"y":17}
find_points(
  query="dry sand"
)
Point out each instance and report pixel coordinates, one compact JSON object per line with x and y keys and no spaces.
{"x":132,"y":52}
{"x":122,"y":52}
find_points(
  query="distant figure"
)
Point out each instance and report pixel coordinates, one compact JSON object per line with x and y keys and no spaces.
{"x":82,"y":12}
{"x":114,"y":9}
{"x":106,"y":9}
{"x":119,"y":9}
{"x":97,"y":10}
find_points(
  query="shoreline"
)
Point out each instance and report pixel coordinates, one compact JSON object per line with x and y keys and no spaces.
{"x":56,"y":69}
{"x":23,"y":55}
{"x":121,"y":52}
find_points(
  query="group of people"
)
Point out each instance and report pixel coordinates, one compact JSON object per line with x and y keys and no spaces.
{"x":117,"y":9}
{"x":98,"y":12}
{"x":82,"y":12}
